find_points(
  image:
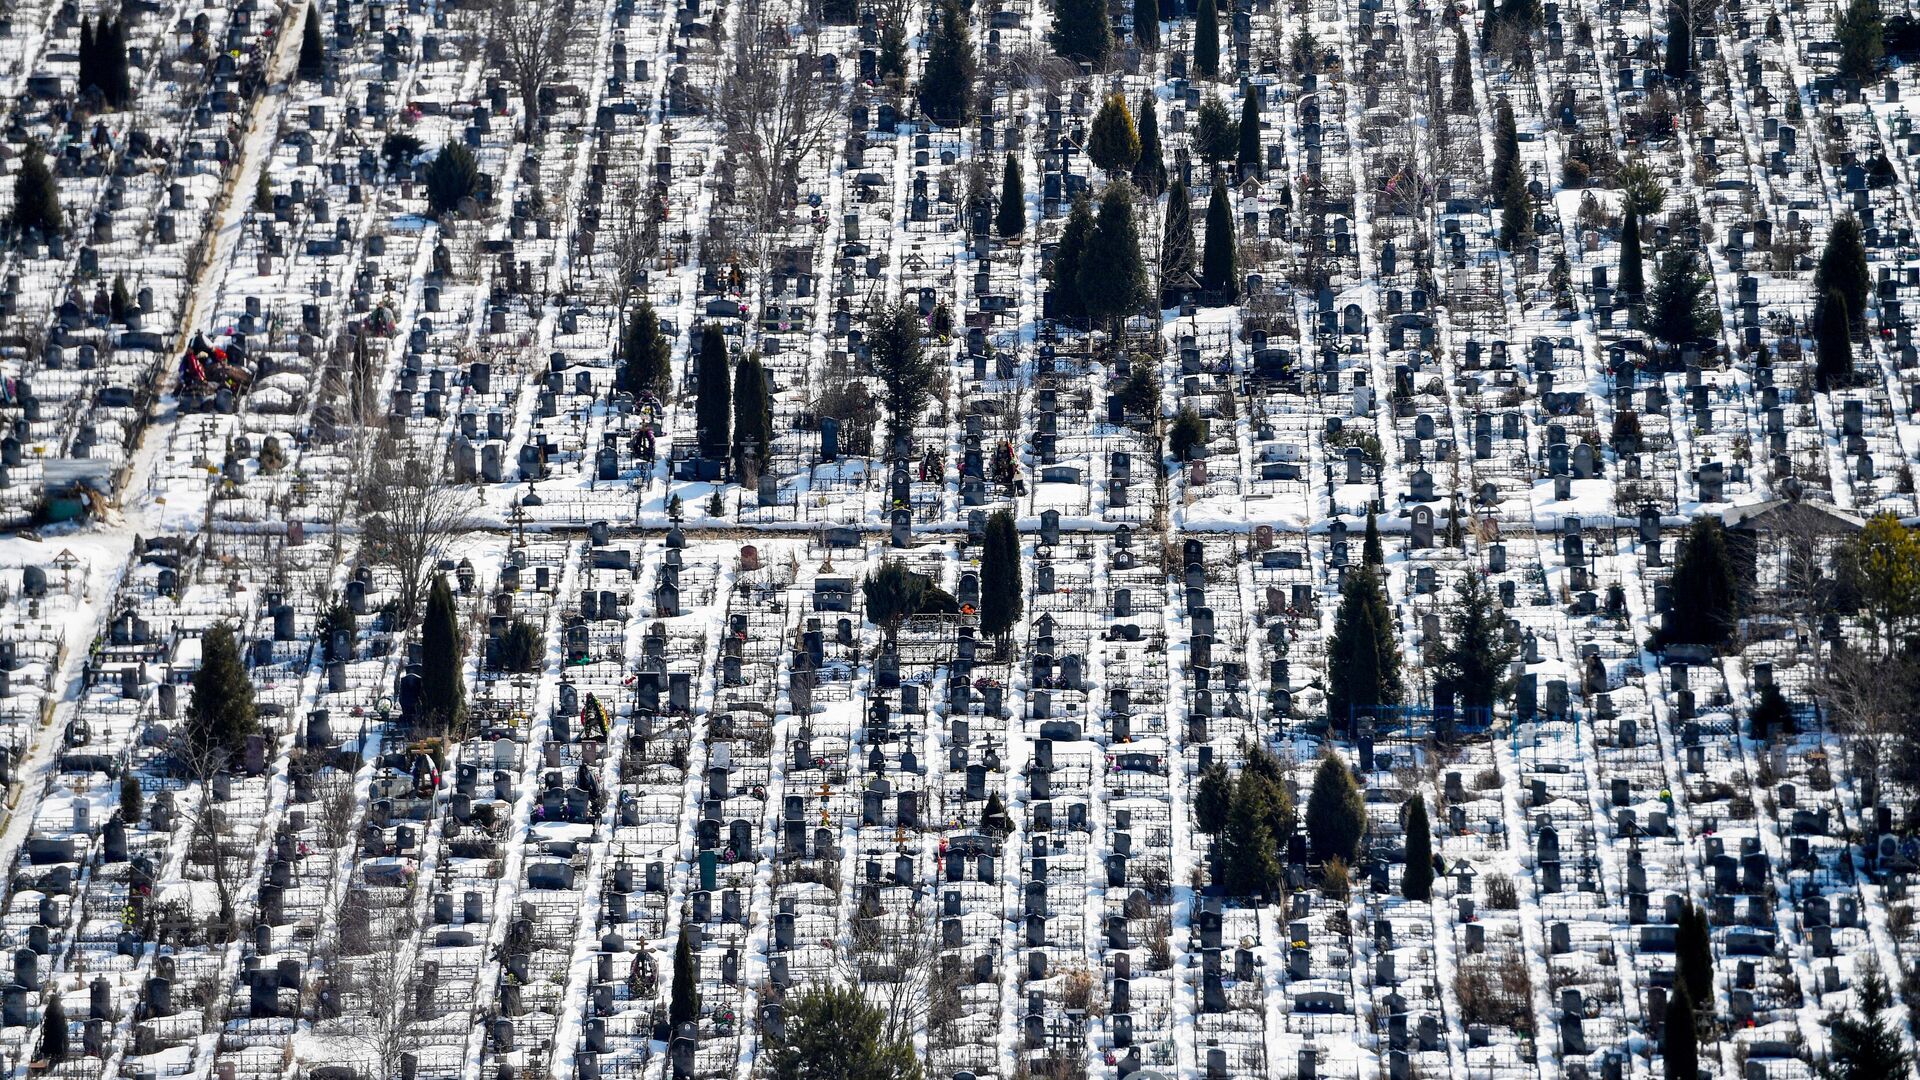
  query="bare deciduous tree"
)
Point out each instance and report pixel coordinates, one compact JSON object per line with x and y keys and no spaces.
{"x":412,"y":516}
{"x":891,"y":957}
{"x":776,"y":108}
{"x":376,"y":995}
{"x":527,"y":43}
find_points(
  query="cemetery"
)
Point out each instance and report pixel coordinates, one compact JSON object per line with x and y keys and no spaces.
{"x":959,"y":539}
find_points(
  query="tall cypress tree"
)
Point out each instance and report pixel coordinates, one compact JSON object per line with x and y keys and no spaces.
{"x":1506,"y":148}
{"x":1693,"y":953}
{"x":1249,"y":845}
{"x":89,"y":55}
{"x":1833,"y":336}
{"x":1113,"y":278}
{"x":1843,"y":266}
{"x":1206,"y":41}
{"x":1462,"y":75}
{"x":1363,"y":660}
{"x":221,"y":716}
{"x":1176,"y":238}
{"x":1417,"y":882}
{"x":1002,"y":595}
{"x":1249,"y":158}
{"x":1336,"y":812}
{"x":1371,"y":553}
{"x":53,"y":1030}
{"x":1011,"y":220}
{"x":1705,"y":597}
{"x":1146,"y":24}
{"x":1068,"y":304}
{"x":1476,"y":658}
{"x":1150,"y":172}
{"x":1082,"y":31}
{"x":313,"y":53}
{"x":646,"y":357}
{"x":711,"y":404}
{"x":1679,"y":1043}
{"x":946,"y":83}
{"x":752,"y":418}
{"x":110,"y":47}
{"x":1679,"y":42}
{"x":1113,"y":143}
{"x":442,"y":690}
{"x":36,"y":201}
{"x":1220,"y":259}
{"x":684,"y":1005}
{"x":1516,"y":212}
{"x":1633,"y":273}
{"x":1212,"y":798}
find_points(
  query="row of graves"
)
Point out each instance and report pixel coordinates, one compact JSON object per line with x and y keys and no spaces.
{"x":95,"y":306}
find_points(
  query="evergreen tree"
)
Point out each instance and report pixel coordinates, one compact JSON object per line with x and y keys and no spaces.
{"x":1220,"y":259}
{"x":1112,"y":142}
{"x":89,"y":56}
{"x":1068,"y":304}
{"x":1705,"y":601}
{"x":1371,"y":552}
{"x":1011,"y":220}
{"x":1866,"y":1048}
{"x":53,"y":1030}
{"x":1187,"y":432}
{"x":1206,"y":42}
{"x":1516,"y":213}
{"x":1843,"y":266}
{"x":1212,"y":796}
{"x":892,"y":63}
{"x":1679,"y":1044}
{"x":1462,"y":74}
{"x":1417,"y":882}
{"x":130,"y":797}
{"x":1249,"y":846}
{"x":946,"y":83}
{"x":1881,"y":565}
{"x":1771,"y":714}
{"x":1336,"y":812}
{"x":117,"y":83}
{"x":1476,"y":660}
{"x":752,"y":418}
{"x":835,"y":1033}
{"x":684,"y":1005}
{"x":1862,"y":33}
{"x":1146,"y":24}
{"x":1002,"y":594}
{"x":1150,"y":172}
{"x":313,"y":53}
{"x":646,"y":356}
{"x":1216,"y":134}
{"x":36,"y":201}
{"x":1833,"y":336}
{"x":1506,"y":148}
{"x":1682,"y":306}
{"x":1113,"y":277}
{"x":1633,"y":280}
{"x":894,"y":592}
{"x":1679,"y":42}
{"x":452,"y":175}
{"x":442,"y":690}
{"x":221,"y":716}
{"x":1249,"y":158}
{"x":994,"y":818}
{"x":1693,"y":953}
{"x":712,"y":405}
{"x":1363,"y":660}
{"x":905,"y":369}
{"x":1176,"y":239}
{"x":1081,"y":30}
